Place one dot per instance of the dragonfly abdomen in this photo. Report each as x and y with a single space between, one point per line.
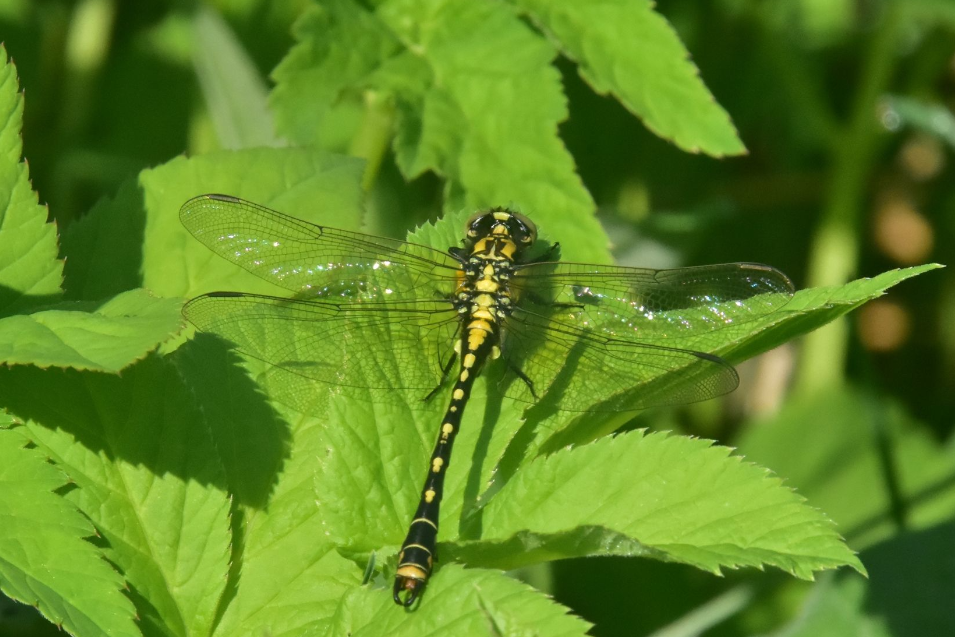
417 555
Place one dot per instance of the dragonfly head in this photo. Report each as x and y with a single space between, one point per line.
499 225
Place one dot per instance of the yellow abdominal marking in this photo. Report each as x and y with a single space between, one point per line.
464 375
479 325
453 408
426 521
458 394
447 429
436 465
429 495
412 571
469 361
478 330
418 546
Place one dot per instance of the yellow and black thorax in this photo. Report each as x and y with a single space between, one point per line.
494 244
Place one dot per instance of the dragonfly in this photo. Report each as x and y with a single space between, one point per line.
371 312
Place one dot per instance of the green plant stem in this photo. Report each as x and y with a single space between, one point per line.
835 251
372 139
87 46
707 615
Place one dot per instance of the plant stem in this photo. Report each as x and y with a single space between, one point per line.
834 254
87 46
707 615
371 141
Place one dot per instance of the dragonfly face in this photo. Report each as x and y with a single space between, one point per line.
499 233
375 313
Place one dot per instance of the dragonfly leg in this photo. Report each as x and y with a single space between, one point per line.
551 254
524 377
445 372
533 297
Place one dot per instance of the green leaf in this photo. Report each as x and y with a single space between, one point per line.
477 97
304 183
28 263
106 339
104 247
459 602
235 94
674 498
809 310
287 573
148 478
44 559
339 45
479 103
830 447
625 48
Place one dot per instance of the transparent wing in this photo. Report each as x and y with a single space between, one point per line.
685 307
628 338
316 261
581 370
395 345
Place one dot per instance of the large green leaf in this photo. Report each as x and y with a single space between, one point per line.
106 339
28 263
148 477
44 559
477 97
105 247
480 103
286 575
674 498
339 45
625 48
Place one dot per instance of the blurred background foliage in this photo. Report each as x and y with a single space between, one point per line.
846 108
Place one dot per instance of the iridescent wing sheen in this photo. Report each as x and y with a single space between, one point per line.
317 261
377 345
612 338
367 311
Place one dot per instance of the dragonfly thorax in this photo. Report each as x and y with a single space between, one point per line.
483 293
